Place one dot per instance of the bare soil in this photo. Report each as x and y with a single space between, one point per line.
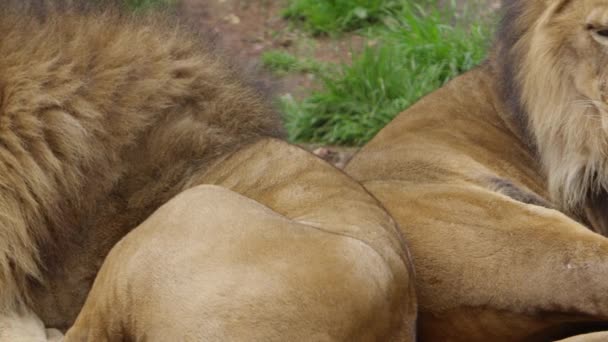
247 28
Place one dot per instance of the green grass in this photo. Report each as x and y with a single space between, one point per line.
147 4
282 62
417 53
333 16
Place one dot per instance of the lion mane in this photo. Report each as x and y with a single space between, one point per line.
103 117
556 94
498 180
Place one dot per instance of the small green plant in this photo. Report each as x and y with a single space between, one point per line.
418 51
281 62
333 16
146 4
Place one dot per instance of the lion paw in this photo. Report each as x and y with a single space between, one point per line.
54 335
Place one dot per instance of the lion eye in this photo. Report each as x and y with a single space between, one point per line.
600 34
597 31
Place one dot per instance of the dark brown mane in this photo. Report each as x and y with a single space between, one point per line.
506 57
99 102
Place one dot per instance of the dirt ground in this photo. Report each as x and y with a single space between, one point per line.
247 28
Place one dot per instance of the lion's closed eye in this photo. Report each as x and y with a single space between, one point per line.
600 35
597 24
602 32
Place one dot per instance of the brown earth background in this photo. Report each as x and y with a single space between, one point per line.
244 29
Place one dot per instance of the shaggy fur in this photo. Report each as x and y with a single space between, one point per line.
558 91
473 171
103 117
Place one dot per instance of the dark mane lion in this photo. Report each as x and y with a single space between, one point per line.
499 181
103 117
126 132
548 65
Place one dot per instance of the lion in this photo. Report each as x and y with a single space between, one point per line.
130 133
499 182
593 337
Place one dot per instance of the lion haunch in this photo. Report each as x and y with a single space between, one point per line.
498 181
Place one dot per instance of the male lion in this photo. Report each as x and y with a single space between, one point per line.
104 118
499 181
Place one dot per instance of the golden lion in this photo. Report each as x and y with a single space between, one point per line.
499 181
593 337
107 117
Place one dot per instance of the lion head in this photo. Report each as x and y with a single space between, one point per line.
559 91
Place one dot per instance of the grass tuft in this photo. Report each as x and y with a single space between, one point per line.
281 62
417 53
333 16
147 4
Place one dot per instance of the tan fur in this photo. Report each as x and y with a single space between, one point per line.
563 90
595 337
295 251
473 171
93 107
104 117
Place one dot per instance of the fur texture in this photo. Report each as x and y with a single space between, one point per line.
103 117
473 174
282 247
558 91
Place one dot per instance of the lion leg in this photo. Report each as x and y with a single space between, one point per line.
303 188
54 335
213 265
489 268
594 337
